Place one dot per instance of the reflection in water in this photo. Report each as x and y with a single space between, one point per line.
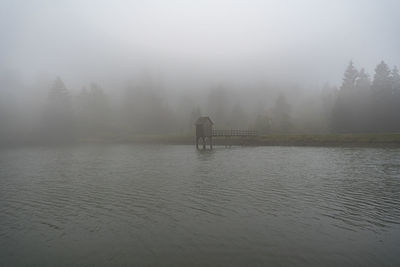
205 154
173 205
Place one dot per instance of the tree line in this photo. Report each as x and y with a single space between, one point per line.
363 105
360 105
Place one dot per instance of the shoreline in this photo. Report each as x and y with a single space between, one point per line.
316 140
386 140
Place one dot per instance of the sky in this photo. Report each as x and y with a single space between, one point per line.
242 41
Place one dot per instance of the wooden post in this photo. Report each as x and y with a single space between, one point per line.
210 142
204 143
197 142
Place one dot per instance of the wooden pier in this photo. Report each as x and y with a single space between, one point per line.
205 131
232 133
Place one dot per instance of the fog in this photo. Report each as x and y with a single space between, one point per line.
107 70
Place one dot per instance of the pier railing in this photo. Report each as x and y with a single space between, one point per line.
229 133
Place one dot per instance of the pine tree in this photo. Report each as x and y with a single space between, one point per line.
383 100
363 82
349 79
395 78
360 103
382 84
343 110
58 95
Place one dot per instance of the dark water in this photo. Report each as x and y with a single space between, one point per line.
104 205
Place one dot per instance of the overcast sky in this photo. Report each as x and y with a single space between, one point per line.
306 40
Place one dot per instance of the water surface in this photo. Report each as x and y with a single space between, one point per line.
102 205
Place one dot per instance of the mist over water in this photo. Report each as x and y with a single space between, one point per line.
98 70
82 83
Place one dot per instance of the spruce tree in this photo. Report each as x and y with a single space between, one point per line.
343 112
383 102
395 79
363 82
350 76
382 84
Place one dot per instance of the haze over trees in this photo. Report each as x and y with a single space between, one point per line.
365 106
362 104
129 68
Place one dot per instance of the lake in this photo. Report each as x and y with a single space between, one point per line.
161 205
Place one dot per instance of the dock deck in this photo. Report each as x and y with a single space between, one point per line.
232 133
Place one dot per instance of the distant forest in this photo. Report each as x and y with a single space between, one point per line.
362 104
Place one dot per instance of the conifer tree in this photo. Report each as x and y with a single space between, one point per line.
363 82
382 84
383 100
395 79
350 76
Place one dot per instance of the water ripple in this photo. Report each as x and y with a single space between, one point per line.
148 205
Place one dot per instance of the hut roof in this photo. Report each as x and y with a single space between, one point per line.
202 120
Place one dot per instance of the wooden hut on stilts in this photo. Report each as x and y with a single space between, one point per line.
204 131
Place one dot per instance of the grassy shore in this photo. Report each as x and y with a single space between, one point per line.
322 140
330 140
377 140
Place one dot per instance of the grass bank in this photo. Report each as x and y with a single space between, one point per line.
378 140
392 139
322 140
